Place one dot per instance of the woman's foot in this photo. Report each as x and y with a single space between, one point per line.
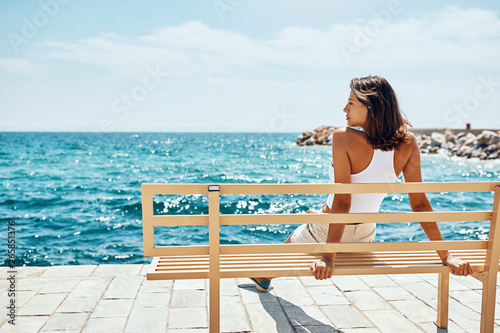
262 284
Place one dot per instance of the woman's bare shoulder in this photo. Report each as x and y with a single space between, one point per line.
411 143
344 136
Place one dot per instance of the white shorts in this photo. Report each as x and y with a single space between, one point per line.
317 233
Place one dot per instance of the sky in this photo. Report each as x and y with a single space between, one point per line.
241 65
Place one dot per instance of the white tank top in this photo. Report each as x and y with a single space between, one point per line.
380 170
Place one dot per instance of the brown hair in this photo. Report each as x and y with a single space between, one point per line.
386 125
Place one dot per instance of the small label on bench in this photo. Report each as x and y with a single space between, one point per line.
213 188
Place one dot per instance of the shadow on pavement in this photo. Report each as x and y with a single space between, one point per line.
297 318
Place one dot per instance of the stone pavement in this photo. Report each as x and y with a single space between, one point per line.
118 298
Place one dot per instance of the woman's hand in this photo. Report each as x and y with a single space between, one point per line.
458 266
323 269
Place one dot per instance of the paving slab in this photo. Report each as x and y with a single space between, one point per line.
31 283
415 310
151 300
66 322
108 325
151 320
30 271
327 295
464 317
405 278
346 317
367 300
394 293
229 287
391 321
195 317
156 286
472 283
60 285
69 271
25 325
23 297
309 281
310 315
78 304
112 308
422 290
266 317
472 296
198 284
124 287
349 283
378 281
188 298
249 294
42 305
89 287
116 270
292 291
233 317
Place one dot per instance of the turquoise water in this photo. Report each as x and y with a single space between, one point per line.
75 197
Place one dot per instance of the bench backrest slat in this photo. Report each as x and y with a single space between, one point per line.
232 219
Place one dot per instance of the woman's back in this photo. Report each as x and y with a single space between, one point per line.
361 152
369 165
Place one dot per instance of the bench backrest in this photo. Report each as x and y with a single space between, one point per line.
214 219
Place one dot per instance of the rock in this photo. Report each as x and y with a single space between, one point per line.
483 156
486 137
464 151
491 149
450 135
424 143
470 140
309 141
437 139
493 156
307 134
434 150
448 145
475 154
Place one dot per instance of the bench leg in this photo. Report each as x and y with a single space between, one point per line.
214 309
443 298
488 303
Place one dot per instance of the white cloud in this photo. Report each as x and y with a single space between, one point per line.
454 36
18 66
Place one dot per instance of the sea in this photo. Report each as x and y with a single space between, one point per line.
75 198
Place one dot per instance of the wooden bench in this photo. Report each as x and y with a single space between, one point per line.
215 261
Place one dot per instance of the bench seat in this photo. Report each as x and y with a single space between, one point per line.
297 264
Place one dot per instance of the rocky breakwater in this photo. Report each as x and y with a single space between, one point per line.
485 146
320 136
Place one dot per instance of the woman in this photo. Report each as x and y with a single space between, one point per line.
377 153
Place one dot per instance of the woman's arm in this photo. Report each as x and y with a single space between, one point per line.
419 203
323 269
